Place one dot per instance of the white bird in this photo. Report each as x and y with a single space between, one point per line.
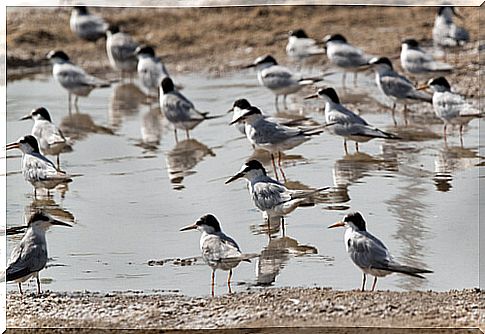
178 110
120 48
279 79
445 32
219 251
36 168
343 122
369 253
271 136
50 138
417 61
87 26
72 77
150 68
301 46
30 255
395 86
270 196
345 56
451 108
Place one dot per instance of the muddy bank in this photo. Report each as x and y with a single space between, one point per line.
216 40
289 307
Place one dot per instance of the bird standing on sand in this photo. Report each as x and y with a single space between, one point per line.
72 77
445 32
417 61
30 255
343 122
369 253
87 26
219 251
36 168
49 137
270 196
301 46
120 48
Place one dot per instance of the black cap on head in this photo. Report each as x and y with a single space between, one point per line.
252 110
254 164
81 10
31 141
145 50
37 216
209 220
381 60
330 92
57 54
242 104
411 42
299 33
113 29
266 59
356 219
43 113
440 81
167 85
335 38
442 8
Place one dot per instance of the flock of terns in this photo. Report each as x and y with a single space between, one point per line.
270 134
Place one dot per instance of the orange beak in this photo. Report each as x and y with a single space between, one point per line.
11 146
337 224
423 87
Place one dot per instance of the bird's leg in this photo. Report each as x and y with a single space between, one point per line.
212 282
284 102
444 132
229 281
274 167
58 163
374 283
276 103
20 288
69 102
187 134
405 115
175 134
343 79
393 113
461 135
35 192
363 282
355 79
345 147
283 226
76 98
357 146
38 284
281 168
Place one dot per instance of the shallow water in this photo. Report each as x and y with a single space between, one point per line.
135 187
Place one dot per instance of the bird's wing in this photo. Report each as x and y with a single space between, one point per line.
451 104
178 107
217 248
399 86
52 134
38 167
267 195
340 114
26 258
277 76
367 251
123 47
91 24
70 75
272 132
349 54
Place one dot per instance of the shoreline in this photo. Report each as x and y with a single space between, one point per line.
273 307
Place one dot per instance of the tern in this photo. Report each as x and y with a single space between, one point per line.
87 26
30 255
178 110
279 79
120 48
450 107
301 46
369 253
445 32
344 122
345 56
417 61
269 195
150 68
49 137
72 77
36 168
219 250
395 86
271 136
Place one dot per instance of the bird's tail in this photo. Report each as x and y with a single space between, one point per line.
421 96
407 270
439 66
311 80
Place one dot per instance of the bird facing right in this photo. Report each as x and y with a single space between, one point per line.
369 253
219 251
30 255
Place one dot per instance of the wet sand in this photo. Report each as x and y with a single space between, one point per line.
282 307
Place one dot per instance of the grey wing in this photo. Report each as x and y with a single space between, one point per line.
340 114
123 47
178 109
215 249
91 24
398 86
460 34
349 56
70 75
25 259
38 167
366 251
267 195
52 134
276 77
272 132
452 105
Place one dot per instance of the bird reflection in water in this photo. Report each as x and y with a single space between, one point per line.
448 161
182 158
151 128
125 100
77 126
274 257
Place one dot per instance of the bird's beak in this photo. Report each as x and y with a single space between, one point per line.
423 87
190 227
230 110
59 223
236 120
249 66
234 178
12 146
337 224
313 96
281 37
25 117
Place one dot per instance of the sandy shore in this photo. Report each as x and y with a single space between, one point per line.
276 307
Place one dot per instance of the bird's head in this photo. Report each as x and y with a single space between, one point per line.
249 170
338 38
207 223
145 50
409 43
248 112
439 84
353 220
38 114
240 104
57 56
298 33
27 144
80 10
381 63
167 85
263 61
41 220
327 94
